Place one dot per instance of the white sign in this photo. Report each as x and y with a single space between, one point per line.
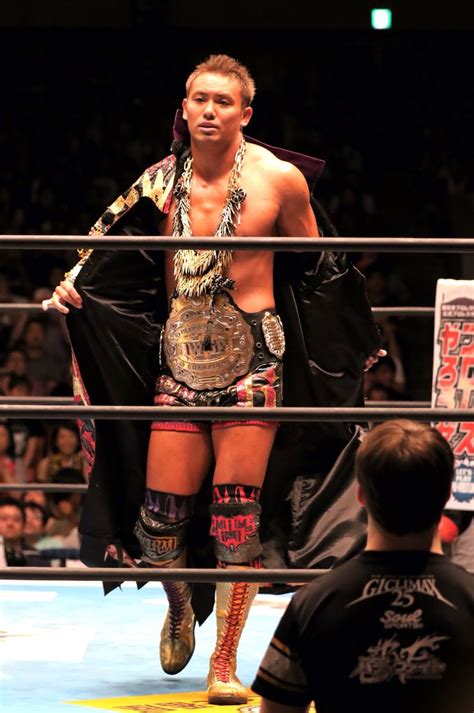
453 380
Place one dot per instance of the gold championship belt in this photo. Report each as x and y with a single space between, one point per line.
194 322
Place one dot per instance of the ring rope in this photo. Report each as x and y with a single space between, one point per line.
157 574
395 311
420 245
304 244
69 400
45 487
226 413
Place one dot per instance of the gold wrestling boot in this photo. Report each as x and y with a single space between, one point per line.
233 602
177 635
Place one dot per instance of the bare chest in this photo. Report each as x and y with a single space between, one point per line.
258 215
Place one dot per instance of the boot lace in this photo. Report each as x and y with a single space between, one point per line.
177 604
238 598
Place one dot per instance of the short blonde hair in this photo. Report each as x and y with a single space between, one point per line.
229 67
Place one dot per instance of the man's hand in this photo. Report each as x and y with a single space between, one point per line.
64 293
371 360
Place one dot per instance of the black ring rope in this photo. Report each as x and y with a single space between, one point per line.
207 413
304 244
156 574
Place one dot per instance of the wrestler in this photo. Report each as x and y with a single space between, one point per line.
222 344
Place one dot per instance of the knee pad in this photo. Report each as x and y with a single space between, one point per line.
235 522
162 542
161 526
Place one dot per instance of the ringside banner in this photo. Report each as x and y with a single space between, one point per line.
453 380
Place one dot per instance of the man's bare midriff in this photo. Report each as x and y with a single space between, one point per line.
251 271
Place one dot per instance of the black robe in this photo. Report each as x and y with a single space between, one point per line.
310 516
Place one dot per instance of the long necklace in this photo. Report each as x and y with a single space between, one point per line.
199 272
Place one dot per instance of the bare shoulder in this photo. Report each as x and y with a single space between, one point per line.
285 177
288 189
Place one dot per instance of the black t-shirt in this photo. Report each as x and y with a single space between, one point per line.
387 631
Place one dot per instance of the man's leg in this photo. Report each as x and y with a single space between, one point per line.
241 454
178 462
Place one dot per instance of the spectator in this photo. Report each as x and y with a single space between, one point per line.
66 453
14 364
380 392
66 510
385 370
35 523
455 527
8 320
387 374
44 369
462 550
391 630
36 496
7 464
12 524
390 372
56 341
28 436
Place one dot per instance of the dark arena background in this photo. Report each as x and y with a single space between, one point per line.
90 90
88 97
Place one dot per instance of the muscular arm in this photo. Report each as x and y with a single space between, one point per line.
296 217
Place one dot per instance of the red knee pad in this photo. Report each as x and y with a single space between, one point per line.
235 522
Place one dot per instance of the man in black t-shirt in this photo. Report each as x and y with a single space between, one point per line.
393 629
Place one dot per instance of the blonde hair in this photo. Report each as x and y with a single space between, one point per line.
229 67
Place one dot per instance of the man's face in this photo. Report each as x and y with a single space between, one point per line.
34 335
11 522
34 525
16 362
36 496
66 441
385 375
19 390
213 109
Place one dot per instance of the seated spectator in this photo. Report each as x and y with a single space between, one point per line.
455 524
388 328
393 372
385 288
45 370
12 524
35 523
14 364
28 436
7 463
66 453
66 510
18 386
386 374
56 340
35 496
8 320
379 392
392 629
377 290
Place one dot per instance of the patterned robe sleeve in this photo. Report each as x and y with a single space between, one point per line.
156 183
